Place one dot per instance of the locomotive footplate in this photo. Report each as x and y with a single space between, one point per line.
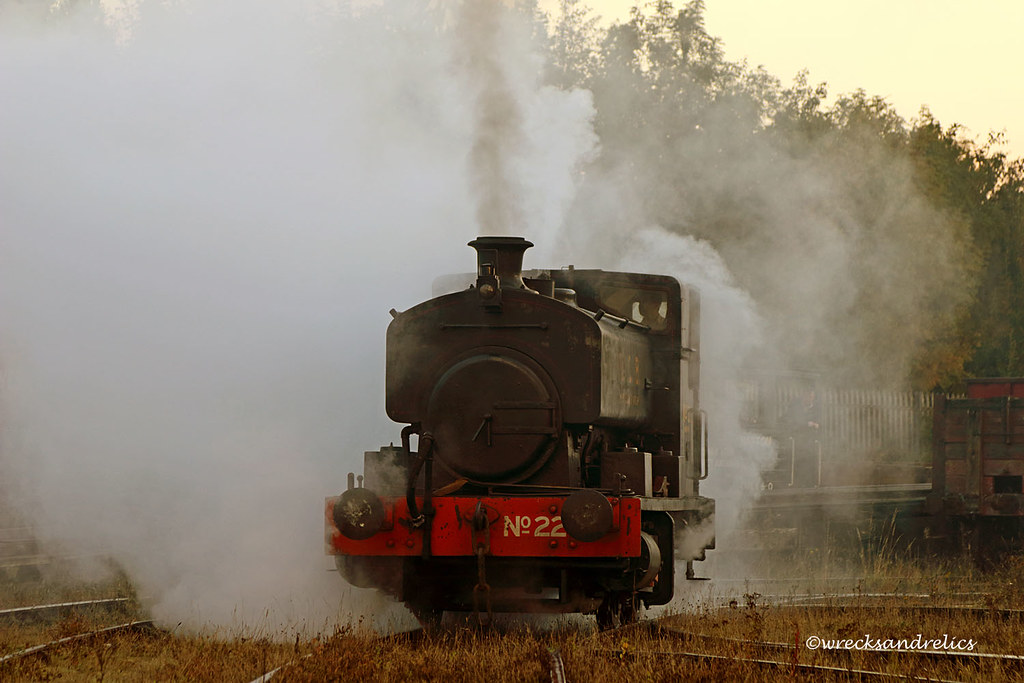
517 527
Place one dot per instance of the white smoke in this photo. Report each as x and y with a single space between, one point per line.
732 336
731 333
207 210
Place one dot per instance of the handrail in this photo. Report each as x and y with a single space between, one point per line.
819 462
792 461
704 443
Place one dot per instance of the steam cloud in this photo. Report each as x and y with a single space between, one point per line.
207 214
207 210
499 121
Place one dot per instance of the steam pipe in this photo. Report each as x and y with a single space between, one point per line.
427 454
420 518
414 472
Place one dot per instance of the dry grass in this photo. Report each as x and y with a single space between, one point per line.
151 656
641 655
63 583
459 652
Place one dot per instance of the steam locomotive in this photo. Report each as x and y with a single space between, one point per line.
553 449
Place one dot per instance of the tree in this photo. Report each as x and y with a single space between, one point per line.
575 41
879 249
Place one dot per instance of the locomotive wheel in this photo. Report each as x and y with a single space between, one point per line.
619 608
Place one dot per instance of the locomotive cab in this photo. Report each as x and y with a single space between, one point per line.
559 446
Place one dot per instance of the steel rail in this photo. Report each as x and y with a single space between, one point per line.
58 609
273 672
795 579
949 610
810 668
411 636
845 597
855 582
36 649
20 547
780 599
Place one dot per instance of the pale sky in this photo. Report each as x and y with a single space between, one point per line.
963 60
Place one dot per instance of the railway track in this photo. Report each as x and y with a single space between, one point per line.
269 675
1008 660
408 636
20 557
61 609
816 669
715 649
44 647
712 650
654 638
832 598
951 611
873 602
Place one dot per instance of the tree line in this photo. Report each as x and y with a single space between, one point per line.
861 233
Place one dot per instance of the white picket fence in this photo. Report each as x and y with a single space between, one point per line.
895 422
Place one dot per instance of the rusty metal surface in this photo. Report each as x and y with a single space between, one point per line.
979 451
615 359
494 416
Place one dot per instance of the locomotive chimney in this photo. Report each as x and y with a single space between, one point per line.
501 258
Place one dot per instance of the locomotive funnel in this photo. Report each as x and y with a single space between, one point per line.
501 257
